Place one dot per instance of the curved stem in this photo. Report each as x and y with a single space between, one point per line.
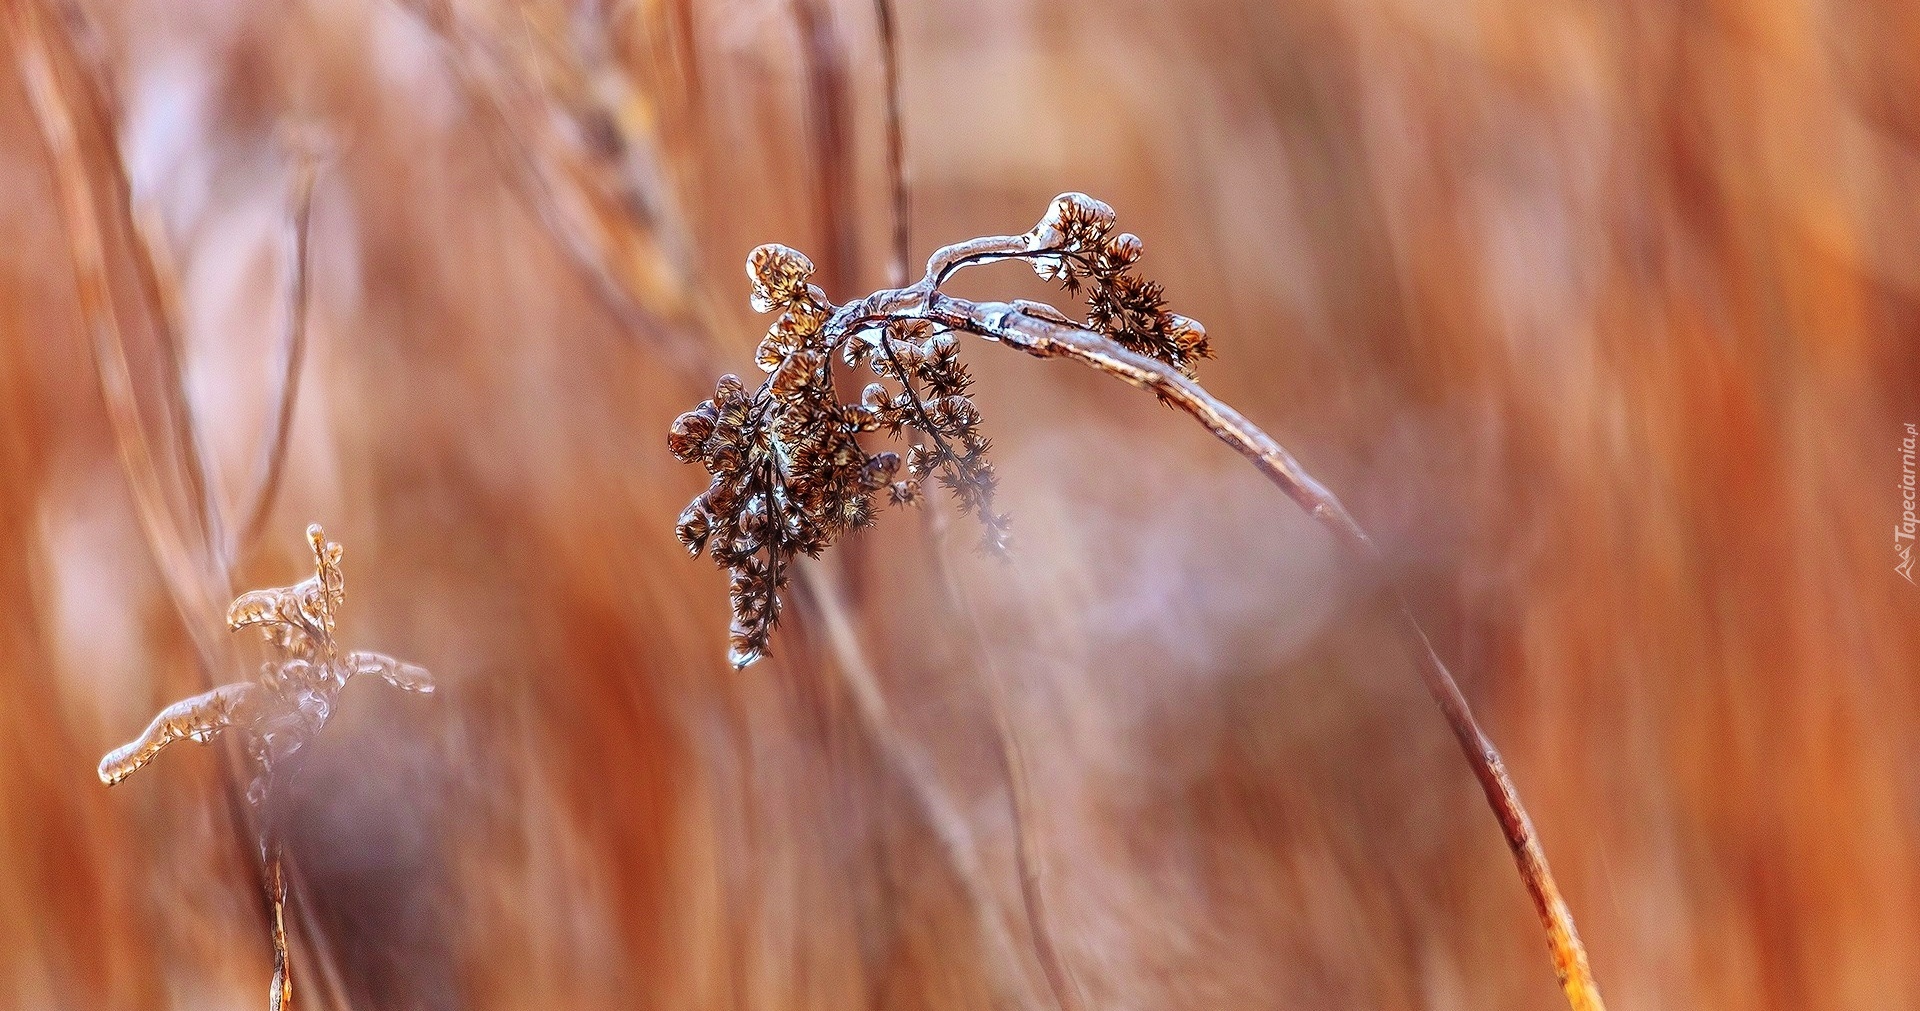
147 248
293 347
1014 325
186 579
1043 332
896 143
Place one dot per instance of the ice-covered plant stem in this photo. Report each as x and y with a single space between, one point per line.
278 714
790 474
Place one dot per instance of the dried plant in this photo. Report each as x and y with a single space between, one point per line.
292 699
279 713
790 474
76 125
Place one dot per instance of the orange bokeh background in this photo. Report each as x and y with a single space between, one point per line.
1602 318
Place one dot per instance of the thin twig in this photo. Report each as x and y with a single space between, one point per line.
827 129
897 183
280 998
1060 981
915 768
826 93
159 280
1028 859
293 347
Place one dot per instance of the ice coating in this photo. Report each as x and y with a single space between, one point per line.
293 695
779 275
402 675
196 719
299 618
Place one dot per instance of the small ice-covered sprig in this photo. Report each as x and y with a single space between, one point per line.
280 711
1084 252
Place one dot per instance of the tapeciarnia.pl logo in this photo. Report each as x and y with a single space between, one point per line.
1903 531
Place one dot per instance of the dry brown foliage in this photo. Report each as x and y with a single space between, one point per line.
1600 320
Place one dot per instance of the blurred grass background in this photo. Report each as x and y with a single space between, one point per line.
1605 318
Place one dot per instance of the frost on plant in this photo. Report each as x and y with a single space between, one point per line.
293 696
1083 252
790 473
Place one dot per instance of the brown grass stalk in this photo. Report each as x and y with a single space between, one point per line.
828 123
1027 857
194 581
915 768
159 280
899 187
1043 332
280 997
292 353
184 576
1029 861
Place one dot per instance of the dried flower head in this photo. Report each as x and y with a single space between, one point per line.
1126 308
789 471
779 276
293 696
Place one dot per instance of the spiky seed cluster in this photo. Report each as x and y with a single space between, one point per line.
1086 253
789 474
293 696
933 399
